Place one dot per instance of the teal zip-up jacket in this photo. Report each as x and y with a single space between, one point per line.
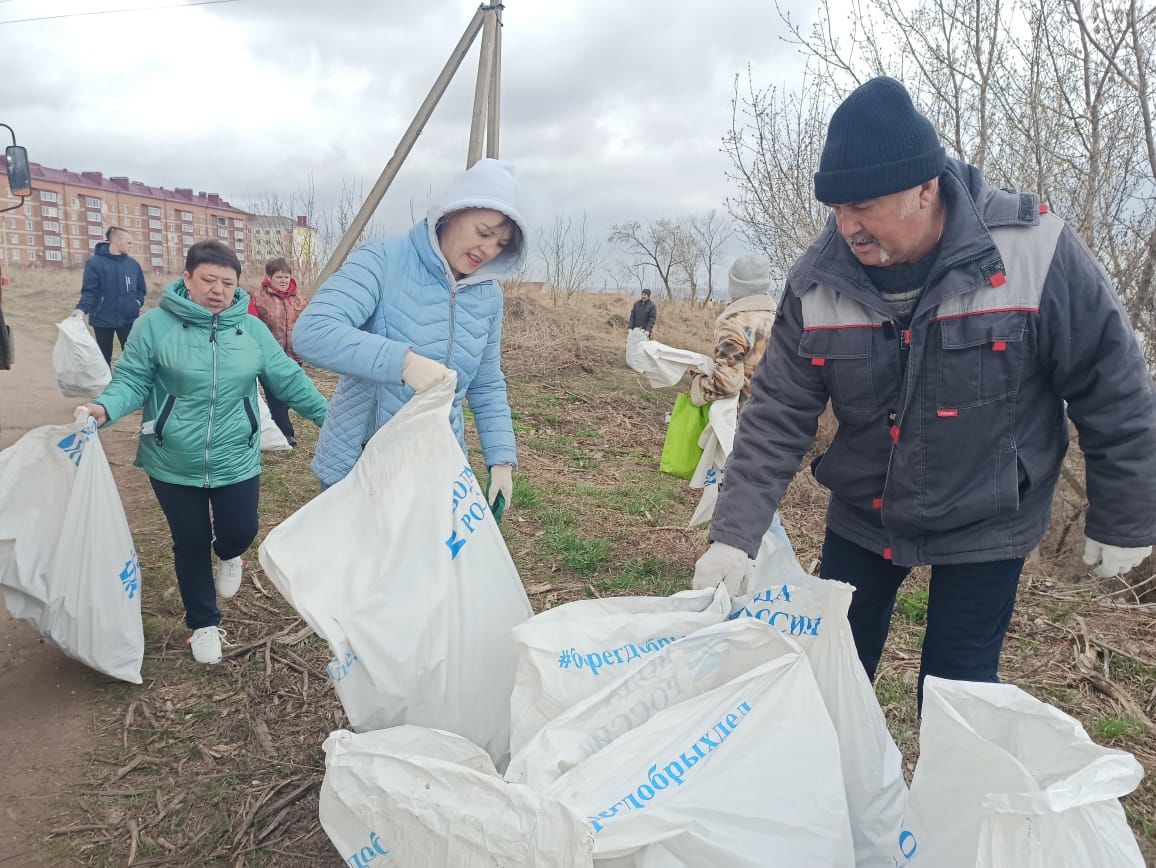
196 375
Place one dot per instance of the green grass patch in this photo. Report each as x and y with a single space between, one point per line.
645 576
1117 728
525 495
577 553
893 689
913 606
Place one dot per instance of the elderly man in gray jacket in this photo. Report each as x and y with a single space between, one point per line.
955 328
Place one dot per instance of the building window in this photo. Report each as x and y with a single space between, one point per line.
51 227
31 239
93 216
154 211
11 222
187 239
48 196
50 212
136 223
238 223
51 241
75 229
78 244
158 262
221 233
53 256
15 255
187 228
14 239
91 202
124 209
239 235
156 248
28 225
94 232
156 236
187 216
221 221
155 224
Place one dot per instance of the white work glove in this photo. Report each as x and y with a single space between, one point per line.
422 374
721 563
501 489
78 312
1111 561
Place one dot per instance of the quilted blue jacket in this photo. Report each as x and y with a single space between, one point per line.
399 294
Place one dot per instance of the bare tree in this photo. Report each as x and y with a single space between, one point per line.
571 256
654 246
712 233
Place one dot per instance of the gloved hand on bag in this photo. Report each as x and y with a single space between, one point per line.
422 374
78 312
1110 561
500 489
721 563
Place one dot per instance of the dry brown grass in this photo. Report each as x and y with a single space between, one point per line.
591 516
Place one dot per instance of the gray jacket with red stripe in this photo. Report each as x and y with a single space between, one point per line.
954 457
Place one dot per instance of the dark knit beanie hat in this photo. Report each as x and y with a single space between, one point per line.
877 144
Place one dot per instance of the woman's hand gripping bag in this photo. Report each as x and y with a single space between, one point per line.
401 568
1007 781
423 798
571 652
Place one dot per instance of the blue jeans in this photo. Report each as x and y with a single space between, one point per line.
968 610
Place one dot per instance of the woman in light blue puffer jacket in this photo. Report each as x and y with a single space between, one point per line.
399 310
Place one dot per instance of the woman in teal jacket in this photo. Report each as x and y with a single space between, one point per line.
193 364
401 311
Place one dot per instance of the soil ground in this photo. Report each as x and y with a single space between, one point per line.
221 765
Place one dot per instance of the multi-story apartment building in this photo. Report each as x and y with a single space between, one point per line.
295 240
69 212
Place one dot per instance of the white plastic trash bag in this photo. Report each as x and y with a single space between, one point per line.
272 440
1007 781
423 798
634 341
81 371
402 570
741 773
571 652
814 613
67 560
664 366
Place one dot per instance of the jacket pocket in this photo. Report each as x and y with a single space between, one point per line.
254 421
163 418
981 359
845 356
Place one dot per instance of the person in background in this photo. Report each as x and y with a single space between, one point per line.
741 333
113 291
278 304
400 312
955 328
193 364
644 314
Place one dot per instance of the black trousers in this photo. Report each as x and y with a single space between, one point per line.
968 611
204 520
104 339
279 410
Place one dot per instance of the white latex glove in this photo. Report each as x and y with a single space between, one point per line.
721 563
1110 561
422 374
78 312
501 485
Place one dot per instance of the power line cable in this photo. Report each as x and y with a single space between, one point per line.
115 11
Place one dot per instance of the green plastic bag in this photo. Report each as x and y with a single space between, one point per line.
681 452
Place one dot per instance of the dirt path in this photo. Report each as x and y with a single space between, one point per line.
46 699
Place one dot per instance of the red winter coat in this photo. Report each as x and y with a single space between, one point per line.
279 311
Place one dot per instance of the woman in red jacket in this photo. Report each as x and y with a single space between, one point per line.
278 304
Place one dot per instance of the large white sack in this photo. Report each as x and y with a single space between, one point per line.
744 774
716 441
1007 781
814 612
272 440
81 371
664 366
402 570
67 560
634 341
570 652
423 798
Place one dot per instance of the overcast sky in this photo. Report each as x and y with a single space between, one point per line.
612 107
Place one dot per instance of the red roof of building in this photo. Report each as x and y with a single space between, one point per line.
97 181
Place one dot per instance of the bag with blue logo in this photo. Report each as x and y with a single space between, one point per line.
67 561
402 569
424 798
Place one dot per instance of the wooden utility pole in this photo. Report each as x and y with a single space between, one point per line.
494 109
486 20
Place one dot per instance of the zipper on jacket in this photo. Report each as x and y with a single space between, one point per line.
453 316
212 398
162 419
254 425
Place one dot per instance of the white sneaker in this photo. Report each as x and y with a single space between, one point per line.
228 577
206 644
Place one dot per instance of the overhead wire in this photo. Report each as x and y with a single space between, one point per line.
115 11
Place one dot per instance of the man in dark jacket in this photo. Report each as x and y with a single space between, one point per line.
644 314
113 290
955 329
